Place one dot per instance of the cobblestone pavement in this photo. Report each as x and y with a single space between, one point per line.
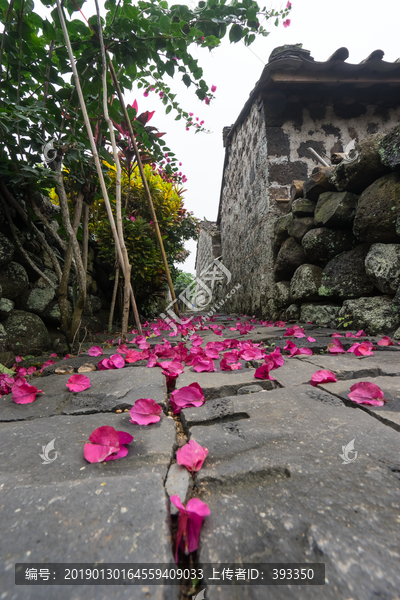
277 489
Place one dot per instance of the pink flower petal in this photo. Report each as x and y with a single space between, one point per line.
322 376
336 347
366 392
145 411
310 339
385 341
192 456
23 393
106 444
190 395
189 524
117 360
78 383
95 351
225 366
263 371
122 349
46 364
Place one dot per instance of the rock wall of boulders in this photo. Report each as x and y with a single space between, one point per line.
337 250
29 310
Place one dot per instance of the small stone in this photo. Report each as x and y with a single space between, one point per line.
335 209
119 410
382 265
6 308
293 313
302 207
86 368
65 369
179 481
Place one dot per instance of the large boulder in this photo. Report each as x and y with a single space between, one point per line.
6 308
26 333
293 313
52 314
335 209
364 169
389 149
323 315
305 283
377 211
42 283
382 266
92 306
280 234
318 183
375 315
13 280
344 276
6 250
36 300
282 294
302 207
290 257
322 244
299 227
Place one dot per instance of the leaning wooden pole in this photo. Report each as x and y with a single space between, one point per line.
145 185
96 157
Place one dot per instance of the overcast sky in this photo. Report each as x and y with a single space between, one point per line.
321 26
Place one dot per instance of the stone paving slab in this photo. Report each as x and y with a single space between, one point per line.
221 384
109 391
389 412
347 364
22 443
279 492
86 521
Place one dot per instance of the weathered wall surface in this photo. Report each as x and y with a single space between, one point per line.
247 214
208 247
264 155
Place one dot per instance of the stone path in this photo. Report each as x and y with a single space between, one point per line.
275 484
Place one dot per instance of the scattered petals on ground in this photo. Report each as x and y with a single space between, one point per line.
366 392
322 376
191 456
106 444
385 341
190 520
336 347
78 383
145 411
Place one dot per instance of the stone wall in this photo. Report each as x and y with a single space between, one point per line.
264 154
29 310
338 246
208 247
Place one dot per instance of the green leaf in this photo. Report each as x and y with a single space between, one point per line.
235 34
186 80
168 109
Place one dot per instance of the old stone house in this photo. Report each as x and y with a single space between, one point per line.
297 104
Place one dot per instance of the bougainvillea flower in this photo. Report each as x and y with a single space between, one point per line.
336 347
252 354
153 361
367 393
19 359
196 340
360 333
46 364
172 368
310 339
106 444
191 456
224 365
145 411
276 357
211 353
133 356
385 341
280 324
78 383
322 376
54 355
307 351
295 331
193 354
291 347
263 371
23 393
231 356
189 524
364 349
340 335
190 395
95 351
203 364
117 360
122 349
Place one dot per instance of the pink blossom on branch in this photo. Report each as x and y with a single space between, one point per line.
286 23
213 88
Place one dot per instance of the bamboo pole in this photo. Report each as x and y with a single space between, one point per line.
95 156
145 185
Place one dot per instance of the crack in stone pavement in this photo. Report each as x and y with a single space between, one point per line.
276 485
